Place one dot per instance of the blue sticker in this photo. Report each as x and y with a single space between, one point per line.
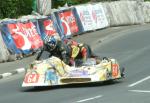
51 75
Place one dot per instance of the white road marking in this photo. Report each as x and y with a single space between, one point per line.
20 70
6 74
140 91
138 82
83 100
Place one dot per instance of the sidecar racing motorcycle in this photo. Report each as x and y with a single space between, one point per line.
53 71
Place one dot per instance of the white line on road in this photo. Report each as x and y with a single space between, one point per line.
6 74
140 91
20 70
83 100
138 82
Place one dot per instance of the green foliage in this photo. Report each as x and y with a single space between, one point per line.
15 8
57 3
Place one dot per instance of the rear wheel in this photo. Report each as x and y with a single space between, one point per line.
122 70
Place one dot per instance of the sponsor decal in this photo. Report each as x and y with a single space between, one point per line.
51 76
76 73
115 70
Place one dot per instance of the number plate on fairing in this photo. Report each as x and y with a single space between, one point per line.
31 77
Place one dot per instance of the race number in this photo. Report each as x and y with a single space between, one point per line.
115 70
32 78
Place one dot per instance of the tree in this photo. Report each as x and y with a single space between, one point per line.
15 8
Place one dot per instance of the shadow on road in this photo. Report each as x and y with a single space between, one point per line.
79 85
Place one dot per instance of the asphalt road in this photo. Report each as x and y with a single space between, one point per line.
129 45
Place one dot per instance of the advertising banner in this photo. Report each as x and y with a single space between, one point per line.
85 17
57 25
98 16
25 36
48 28
67 22
8 40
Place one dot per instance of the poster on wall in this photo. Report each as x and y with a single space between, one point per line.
98 16
85 17
49 29
68 22
25 36
8 40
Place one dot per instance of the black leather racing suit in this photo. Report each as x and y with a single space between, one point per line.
61 51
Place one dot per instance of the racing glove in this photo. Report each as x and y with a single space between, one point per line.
71 62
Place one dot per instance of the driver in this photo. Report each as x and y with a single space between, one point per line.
79 52
56 48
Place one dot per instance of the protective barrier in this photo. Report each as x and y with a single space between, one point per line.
122 13
4 54
145 7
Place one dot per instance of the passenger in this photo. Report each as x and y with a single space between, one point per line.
79 52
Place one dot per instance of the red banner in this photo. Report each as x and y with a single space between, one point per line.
25 36
68 22
49 28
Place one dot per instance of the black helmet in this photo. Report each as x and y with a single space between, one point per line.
51 42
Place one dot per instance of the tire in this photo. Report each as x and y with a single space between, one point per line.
122 71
